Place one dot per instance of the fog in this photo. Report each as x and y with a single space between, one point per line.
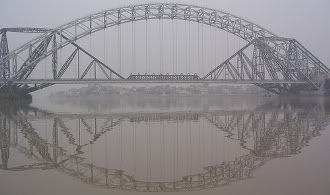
212 138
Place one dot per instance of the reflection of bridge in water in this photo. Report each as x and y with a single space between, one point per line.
273 133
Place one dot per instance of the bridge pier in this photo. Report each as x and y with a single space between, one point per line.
324 90
326 85
10 96
302 90
9 93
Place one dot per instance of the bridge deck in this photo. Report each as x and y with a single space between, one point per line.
122 81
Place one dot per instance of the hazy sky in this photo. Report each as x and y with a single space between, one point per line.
307 21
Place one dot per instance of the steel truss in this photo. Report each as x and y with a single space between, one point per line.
264 64
273 57
5 70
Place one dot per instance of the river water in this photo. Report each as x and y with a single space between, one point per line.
165 144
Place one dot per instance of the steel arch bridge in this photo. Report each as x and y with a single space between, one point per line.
276 64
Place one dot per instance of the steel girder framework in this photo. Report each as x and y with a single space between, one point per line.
280 56
276 134
265 64
5 70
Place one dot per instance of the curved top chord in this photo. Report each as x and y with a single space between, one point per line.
104 19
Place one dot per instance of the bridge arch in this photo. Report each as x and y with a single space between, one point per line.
112 17
79 28
84 26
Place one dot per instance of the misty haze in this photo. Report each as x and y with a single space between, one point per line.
187 97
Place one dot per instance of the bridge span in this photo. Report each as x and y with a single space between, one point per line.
127 81
255 55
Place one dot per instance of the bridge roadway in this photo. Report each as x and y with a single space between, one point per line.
127 81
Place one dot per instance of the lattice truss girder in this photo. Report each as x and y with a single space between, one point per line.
274 55
36 55
5 69
258 61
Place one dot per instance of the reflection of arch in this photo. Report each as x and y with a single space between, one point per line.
274 47
213 176
278 138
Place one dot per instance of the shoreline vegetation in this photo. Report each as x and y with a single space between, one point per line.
106 90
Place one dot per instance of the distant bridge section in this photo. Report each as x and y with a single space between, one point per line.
167 77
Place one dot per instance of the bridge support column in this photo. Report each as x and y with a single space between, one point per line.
10 93
306 90
326 85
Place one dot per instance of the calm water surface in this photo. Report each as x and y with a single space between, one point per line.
181 145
